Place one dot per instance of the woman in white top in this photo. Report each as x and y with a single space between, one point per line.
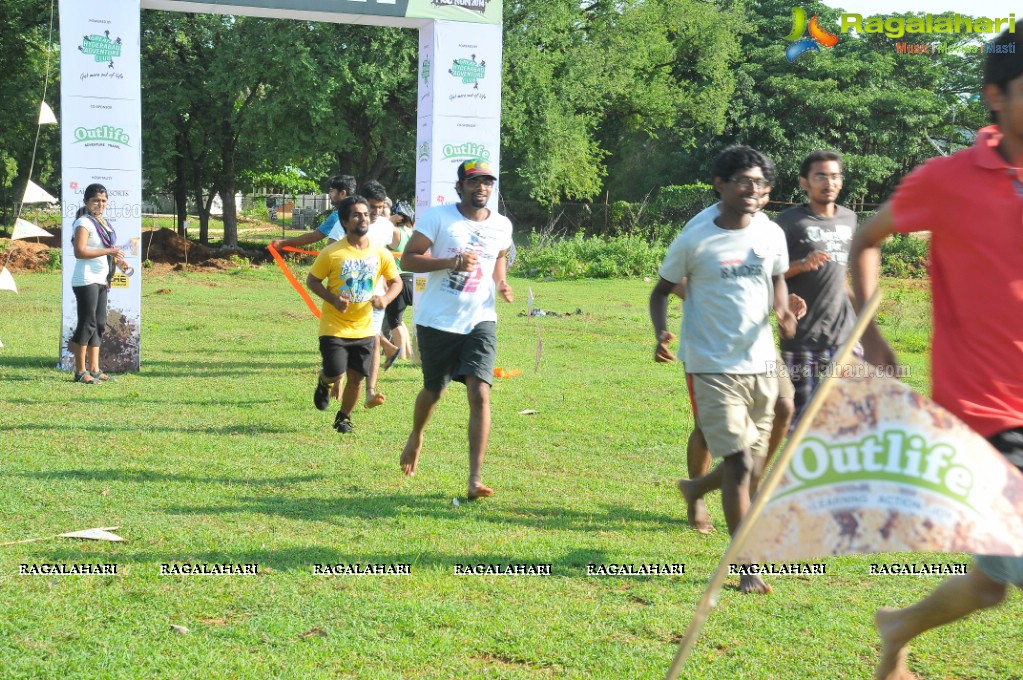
95 255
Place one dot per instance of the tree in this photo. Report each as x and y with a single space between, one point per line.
583 81
878 107
231 94
25 27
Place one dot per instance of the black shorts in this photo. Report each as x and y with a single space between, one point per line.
395 310
453 356
341 355
1010 444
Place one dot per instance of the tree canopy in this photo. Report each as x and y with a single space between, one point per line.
600 98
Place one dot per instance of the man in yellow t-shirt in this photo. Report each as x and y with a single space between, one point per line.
350 267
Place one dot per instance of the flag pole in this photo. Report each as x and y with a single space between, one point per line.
709 598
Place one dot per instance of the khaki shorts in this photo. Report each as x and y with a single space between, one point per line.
786 390
735 412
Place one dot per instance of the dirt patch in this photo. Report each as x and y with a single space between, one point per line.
163 248
25 256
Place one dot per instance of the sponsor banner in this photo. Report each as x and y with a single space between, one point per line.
883 469
426 69
101 143
467 70
456 141
346 11
99 55
103 133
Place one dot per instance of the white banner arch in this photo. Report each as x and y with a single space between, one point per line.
459 117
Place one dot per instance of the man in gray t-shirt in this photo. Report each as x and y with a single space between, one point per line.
818 236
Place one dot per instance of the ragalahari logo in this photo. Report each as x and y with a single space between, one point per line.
818 36
469 70
101 47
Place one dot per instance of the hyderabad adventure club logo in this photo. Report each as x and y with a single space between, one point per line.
424 151
818 36
101 47
469 71
426 72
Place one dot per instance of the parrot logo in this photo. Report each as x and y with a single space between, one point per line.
818 36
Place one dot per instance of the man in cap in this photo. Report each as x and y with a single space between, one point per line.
456 320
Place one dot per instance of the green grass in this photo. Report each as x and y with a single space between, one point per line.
214 453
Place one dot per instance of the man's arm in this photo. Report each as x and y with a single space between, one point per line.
416 261
865 264
317 287
786 318
305 239
659 318
393 290
501 275
811 263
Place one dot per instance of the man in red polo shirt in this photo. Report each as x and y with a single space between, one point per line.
972 203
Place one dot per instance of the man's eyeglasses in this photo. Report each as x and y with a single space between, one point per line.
479 181
757 183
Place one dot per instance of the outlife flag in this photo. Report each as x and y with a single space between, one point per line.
883 469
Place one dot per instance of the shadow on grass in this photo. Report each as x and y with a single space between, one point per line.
391 507
247 429
153 476
15 361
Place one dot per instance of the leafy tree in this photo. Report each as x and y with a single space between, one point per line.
24 25
879 108
232 93
585 81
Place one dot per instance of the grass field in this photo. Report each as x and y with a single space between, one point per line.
214 453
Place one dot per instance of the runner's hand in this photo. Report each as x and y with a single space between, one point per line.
662 354
815 260
340 303
797 305
506 292
378 302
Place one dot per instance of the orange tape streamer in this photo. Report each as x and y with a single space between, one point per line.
291 278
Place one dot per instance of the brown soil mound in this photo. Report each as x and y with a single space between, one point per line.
161 247
166 246
25 256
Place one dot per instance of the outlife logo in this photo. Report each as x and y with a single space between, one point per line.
818 36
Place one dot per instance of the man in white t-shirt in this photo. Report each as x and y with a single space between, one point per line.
734 267
381 233
456 320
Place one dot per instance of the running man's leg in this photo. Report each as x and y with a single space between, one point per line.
478 392
426 403
951 601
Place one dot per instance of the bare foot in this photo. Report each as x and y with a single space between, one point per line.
410 454
752 583
892 665
373 400
479 491
696 508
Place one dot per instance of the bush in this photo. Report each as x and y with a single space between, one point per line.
904 256
594 257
